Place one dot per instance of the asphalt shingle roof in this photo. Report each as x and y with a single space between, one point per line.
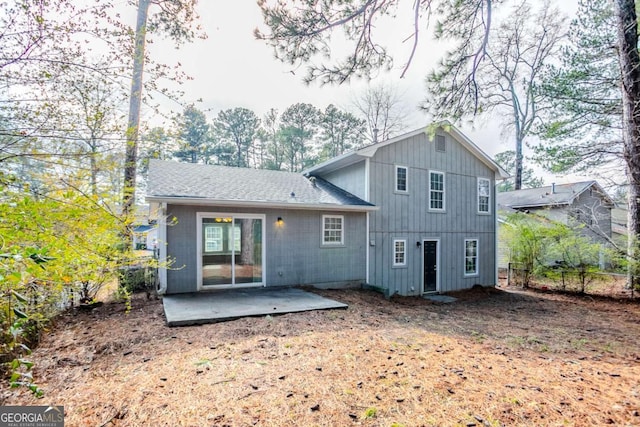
563 194
169 179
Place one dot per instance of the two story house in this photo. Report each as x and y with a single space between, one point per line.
411 215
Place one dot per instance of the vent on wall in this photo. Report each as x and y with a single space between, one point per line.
441 143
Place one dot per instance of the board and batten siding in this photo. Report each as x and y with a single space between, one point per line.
350 178
407 216
294 254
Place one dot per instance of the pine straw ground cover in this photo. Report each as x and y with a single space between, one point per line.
494 358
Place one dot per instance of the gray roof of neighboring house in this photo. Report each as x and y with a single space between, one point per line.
552 195
190 183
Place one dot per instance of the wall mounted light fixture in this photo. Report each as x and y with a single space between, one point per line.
279 221
418 244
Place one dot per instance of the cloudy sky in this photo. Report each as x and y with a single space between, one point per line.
233 69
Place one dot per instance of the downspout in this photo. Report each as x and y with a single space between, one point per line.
368 251
366 198
162 242
496 252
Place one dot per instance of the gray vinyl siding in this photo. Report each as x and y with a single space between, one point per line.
407 216
591 204
351 179
294 254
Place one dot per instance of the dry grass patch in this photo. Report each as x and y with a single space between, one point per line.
492 358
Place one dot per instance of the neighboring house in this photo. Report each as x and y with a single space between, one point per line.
145 237
582 204
144 229
411 215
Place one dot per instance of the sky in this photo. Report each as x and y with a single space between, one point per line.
232 69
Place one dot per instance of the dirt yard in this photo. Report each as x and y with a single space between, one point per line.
492 358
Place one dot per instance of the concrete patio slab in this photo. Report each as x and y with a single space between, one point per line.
218 306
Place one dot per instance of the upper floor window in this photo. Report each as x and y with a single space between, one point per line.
470 257
399 253
402 176
484 195
436 190
332 229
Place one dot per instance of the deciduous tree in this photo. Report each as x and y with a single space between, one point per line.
510 73
383 109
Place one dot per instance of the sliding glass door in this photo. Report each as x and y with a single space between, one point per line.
230 249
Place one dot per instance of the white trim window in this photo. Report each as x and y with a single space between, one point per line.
484 195
470 257
332 229
436 190
212 238
402 179
399 252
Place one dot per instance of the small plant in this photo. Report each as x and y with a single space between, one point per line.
478 337
14 345
579 343
122 294
370 413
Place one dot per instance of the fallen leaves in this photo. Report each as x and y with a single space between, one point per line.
405 362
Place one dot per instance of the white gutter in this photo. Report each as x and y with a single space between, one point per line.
162 242
259 205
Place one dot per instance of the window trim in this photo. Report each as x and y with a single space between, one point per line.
444 191
406 179
404 253
324 229
488 211
477 258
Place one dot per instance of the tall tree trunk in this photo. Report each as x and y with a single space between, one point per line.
247 255
630 78
519 159
135 100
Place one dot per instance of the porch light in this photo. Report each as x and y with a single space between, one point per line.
418 244
279 221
